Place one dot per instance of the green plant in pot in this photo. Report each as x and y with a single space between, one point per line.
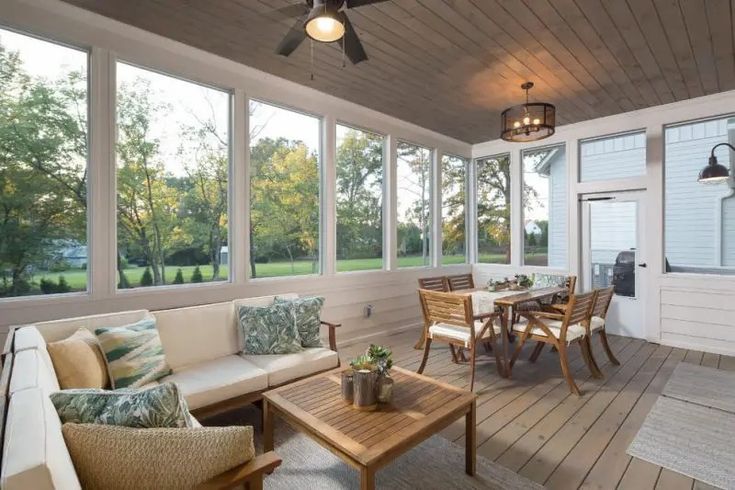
383 359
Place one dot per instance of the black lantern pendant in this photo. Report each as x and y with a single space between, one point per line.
531 121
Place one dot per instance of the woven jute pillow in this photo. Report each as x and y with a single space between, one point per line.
120 458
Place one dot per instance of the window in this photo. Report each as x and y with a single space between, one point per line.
284 192
545 207
454 195
699 218
43 167
172 180
612 157
359 199
493 209
414 205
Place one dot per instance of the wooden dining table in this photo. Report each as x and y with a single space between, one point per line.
505 302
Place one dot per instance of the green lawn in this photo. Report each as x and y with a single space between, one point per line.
77 278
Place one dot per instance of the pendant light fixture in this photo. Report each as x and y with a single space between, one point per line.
531 121
714 173
324 23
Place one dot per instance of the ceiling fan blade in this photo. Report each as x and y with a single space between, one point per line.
293 39
359 3
353 47
291 11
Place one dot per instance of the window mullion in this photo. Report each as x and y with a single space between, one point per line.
239 201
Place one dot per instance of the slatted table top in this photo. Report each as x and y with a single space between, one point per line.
421 407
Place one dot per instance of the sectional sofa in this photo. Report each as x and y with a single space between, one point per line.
201 345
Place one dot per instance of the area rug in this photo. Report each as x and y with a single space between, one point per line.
435 463
705 386
686 432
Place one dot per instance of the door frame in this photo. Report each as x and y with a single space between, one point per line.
642 277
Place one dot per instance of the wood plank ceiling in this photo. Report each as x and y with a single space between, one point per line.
454 65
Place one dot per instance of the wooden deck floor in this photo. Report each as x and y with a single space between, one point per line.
534 426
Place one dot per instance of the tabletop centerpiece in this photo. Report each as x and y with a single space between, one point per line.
368 380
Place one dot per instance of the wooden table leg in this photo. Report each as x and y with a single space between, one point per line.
367 478
506 341
267 427
470 451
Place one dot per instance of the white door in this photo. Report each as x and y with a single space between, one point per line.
612 234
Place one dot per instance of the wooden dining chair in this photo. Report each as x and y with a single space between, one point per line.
597 319
439 283
461 281
560 331
452 321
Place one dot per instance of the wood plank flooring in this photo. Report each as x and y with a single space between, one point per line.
534 426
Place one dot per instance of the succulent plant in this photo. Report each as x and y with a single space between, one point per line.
382 357
363 363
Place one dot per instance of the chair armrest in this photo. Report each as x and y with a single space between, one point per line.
332 334
546 314
251 472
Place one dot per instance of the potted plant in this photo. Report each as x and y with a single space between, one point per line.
524 281
364 379
383 359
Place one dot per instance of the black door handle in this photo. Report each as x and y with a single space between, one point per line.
644 265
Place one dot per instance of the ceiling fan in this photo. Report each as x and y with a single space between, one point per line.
324 21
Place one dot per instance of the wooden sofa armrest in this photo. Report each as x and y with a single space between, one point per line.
332 334
250 474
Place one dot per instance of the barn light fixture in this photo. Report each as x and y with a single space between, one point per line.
531 121
714 173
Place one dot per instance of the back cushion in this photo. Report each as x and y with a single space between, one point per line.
32 368
197 334
60 329
34 454
28 338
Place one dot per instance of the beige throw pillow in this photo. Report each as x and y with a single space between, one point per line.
78 361
120 458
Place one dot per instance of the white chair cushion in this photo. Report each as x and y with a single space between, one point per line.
214 381
197 334
459 333
283 368
28 338
35 455
573 331
596 323
60 329
32 368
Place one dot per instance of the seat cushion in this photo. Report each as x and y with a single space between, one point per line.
459 333
35 455
155 458
28 338
196 334
32 368
221 379
78 361
134 354
288 367
597 323
60 329
573 331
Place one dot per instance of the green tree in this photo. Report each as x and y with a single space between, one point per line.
418 187
179 279
454 173
196 276
146 279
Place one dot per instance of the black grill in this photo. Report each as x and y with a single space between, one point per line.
624 273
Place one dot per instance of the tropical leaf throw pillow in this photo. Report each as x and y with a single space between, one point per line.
269 329
159 406
307 314
134 353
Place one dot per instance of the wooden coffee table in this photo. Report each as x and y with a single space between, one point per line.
421 407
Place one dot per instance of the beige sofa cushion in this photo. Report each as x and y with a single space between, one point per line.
155 458
35 455
28 338
197 334
32 368
78 361
287 367
217 380
60 329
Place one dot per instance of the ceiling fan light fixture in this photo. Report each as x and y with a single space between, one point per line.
324 24
531 121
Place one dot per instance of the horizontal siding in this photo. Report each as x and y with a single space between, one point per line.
558 230
617 157
698 318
